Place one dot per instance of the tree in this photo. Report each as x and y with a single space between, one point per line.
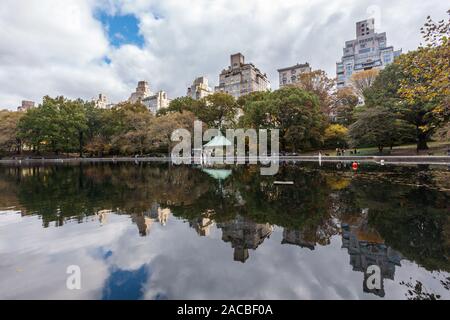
98 135
136 138
74 122
317 82
180 104
417 85
294 111
336 135
9 141
360 81
56 125
217 110
299 118
129 128
161 128
345 102
425 85
257 112
384 90
377 126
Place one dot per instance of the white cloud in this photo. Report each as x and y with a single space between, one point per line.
58 47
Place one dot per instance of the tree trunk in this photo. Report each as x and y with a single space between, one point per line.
380 149
422 138
81 144
422 144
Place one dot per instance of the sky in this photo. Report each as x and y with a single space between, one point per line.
80 48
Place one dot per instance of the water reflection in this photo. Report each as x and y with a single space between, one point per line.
322 232
244 234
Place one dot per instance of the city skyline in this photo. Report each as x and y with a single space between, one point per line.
94 47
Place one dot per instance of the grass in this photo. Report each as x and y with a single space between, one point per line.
437 148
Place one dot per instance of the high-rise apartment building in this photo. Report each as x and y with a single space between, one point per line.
241 78
290 75
199 89
102 102
369 50
156 102
142 92
26 105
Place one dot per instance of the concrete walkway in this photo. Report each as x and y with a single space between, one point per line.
444 160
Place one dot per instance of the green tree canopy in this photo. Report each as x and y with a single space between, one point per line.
56 125
294 111
218 110
377 126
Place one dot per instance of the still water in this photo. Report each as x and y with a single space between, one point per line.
156 231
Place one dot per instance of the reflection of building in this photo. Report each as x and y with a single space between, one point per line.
365 249
243 235
143 223
142 91
369 50
145 220
156 102
199 89
103 215
290 75
202 224
241 78
296 237
26 105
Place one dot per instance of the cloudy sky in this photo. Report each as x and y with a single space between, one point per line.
79 48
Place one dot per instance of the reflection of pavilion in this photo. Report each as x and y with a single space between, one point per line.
145 220
366 248
244 234
296 237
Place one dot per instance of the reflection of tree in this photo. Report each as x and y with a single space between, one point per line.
62 192
417 291
413 220
305 202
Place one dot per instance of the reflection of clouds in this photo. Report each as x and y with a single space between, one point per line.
180 264
35 265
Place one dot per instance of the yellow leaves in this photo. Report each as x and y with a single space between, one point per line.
426 74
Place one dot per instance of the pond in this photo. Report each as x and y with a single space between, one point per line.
158 231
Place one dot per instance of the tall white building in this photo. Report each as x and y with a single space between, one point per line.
142 91
199 89
369 50
156 102
102 102
241 78
290 75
